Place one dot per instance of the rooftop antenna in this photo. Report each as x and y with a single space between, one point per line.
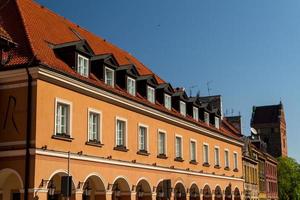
232 111
208 87
190 89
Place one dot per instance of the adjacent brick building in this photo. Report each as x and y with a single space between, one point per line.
269 121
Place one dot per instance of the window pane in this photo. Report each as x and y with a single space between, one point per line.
82 65
217 157
205 153
120 133
178 147
193 151
142 138
94 126
182 108
161 147
151 94
195 113
206 117
226 159
131 86
109 77
168 101
62 118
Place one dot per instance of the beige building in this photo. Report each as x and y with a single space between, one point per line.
73 104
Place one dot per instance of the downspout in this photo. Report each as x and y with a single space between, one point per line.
28 129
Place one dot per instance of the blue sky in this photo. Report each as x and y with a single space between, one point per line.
249 51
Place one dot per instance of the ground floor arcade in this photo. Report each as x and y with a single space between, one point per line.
111 180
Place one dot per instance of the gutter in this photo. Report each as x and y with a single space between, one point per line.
28 130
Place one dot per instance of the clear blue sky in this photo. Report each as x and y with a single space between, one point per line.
249 50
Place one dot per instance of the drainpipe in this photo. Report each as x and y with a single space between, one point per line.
28 129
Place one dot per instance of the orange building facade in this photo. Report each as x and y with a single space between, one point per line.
115 142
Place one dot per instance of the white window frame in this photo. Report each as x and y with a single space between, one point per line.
134 86
169 107
126 131
205 144
227 150
235 165
217 122
195 141
113 76
88 65
158 141
183 112
148 95
195 113
206 117
92 110
147 137
217 155
69 103
181 146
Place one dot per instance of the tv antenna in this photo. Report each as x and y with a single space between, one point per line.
191 89
208 87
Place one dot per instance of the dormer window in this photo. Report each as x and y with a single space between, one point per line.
109 76
182 108
217 122
131 86
206 118
83 66
151 94
168 102
196 113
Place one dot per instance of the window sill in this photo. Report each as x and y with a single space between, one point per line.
62 137
121 148
206 165
94 143
193 162
217 167
178 159
227 168
162 156
143 153
235 170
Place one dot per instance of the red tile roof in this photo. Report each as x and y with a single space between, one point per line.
35 28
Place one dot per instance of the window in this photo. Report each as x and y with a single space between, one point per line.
235 159
83 66
131 86
63 118
121 133
151 94
206 117
178 147
168 102
196 113
109 76
161 143
182 108
217 122
226 158
217 156
205 154
193 151
143 135
94 126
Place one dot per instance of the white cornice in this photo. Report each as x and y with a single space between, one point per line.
123 163
119 100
